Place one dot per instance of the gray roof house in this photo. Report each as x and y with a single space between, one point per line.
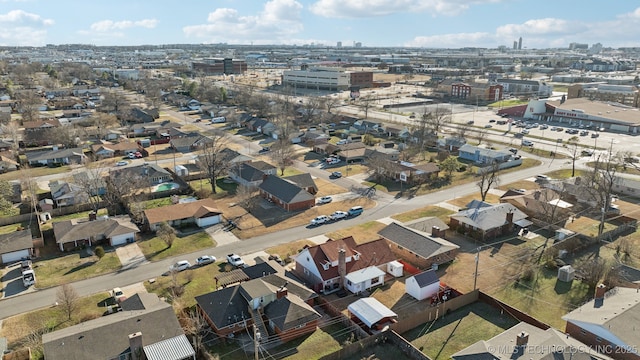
251 173
56 156
286 194
15 246
519 342
487 222
189 143
115 230
154 330
481 155
424 249
67 194
152 172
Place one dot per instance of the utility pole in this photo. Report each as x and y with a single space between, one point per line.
255 342
475 274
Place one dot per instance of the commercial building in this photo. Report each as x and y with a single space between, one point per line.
320 78
225 66
623 94
594 114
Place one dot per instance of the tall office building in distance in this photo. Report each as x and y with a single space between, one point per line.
520 43
339 44
515 45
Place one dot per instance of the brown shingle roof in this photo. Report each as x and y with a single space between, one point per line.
195 209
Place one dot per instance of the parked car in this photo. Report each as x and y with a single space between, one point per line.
527 143
492 120
205 260
319 220
131 155
594 135
325 200
117 294
338 215
470 122
181 265
235 260
336 174
524 131
122 163
542 178
138 155
264 150
356 210
342 142
488 126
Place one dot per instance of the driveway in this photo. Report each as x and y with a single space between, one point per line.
12 282
220 236
130 256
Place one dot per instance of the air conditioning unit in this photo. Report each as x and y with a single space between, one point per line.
566 273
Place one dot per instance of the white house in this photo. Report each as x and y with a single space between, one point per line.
424 285
201 212
15 246
364 279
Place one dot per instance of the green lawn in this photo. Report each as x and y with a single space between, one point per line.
155 249
223 188
156 203
544 298
565 173
430 210
196 282
13 227
73 267
459 329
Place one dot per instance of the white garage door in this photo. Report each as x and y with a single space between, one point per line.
15 256
208 221
121 239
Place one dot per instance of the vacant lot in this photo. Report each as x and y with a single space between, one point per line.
194 282
457 330
74 267
361 233
154 248
428 211
285 251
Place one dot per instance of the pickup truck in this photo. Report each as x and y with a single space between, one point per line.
28 278
235 260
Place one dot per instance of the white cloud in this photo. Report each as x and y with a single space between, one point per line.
110 25
18 27
371 8
479 39
278 21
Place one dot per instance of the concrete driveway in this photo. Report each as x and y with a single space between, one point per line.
12 282
130 256
220 236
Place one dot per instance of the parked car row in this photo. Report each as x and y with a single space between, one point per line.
337 215
183 265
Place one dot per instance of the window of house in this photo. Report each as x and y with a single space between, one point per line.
375 281
306 271
349 282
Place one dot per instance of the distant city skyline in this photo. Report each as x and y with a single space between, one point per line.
382 23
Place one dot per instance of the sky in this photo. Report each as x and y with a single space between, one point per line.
384 23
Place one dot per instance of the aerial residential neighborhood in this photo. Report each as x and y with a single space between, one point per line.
314 201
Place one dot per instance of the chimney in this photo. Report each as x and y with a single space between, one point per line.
435 231
522 339
282 292
536 195
93 216
135 345
510 217
342 265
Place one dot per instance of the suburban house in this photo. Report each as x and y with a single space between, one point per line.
117 230
38 125
382 153
480 155
15 246
288 194
422 249
279 301
626 186
423 285
67 194
152 173
7 164
91 181
139 115
251 173
314 137
415 173
545 204
324 267
525 341
260 125
118 149
371 313
202 213
145 129
56 157
609 322
233 157
189 143
149 331
488 222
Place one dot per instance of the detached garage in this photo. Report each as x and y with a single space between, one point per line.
15 246
424 285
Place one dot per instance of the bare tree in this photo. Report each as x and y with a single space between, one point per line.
481 135
123 188
68 300
28 103
488 178
437 119
103 122
593 271
212 159
115 103
11 130
366 102
310 109
422 131
381 168
573 148
247 197
166 233
92 184
601 181
196 328
330 103
283 154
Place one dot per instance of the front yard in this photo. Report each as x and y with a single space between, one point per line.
74 267
154 248
428 211
361 233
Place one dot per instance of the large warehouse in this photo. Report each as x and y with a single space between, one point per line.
598 114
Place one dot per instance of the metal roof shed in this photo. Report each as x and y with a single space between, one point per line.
370 311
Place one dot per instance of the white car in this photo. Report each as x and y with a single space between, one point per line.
181 265
542 178
319 220
527 143
339 215
235 260
122 163
117 294
325 200
205 260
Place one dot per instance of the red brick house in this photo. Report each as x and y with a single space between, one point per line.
291 193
